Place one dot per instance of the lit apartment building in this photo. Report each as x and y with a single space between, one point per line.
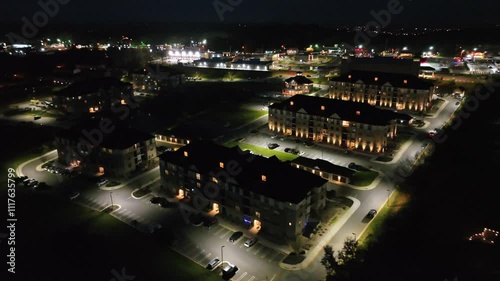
397 91
93 95
345 124
103 147
262 193
297 85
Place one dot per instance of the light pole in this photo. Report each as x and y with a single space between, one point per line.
354 236
111 196
222 255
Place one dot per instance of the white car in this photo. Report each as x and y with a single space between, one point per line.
250 242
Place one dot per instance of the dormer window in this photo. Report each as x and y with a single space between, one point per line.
263 177
185 154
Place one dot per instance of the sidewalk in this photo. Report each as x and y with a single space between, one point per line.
318 248
400 153
122 184
19 168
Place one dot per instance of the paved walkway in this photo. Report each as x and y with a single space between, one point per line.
325 239
19 169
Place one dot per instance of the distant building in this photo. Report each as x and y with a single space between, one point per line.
103 147
263 193
381 64
228 63
155 78
93 95
297 85
397 91
345 124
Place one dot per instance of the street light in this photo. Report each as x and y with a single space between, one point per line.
111 196
354 236
222 255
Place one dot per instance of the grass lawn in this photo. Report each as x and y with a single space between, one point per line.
395 203
87 245
363 178
236 117
283 156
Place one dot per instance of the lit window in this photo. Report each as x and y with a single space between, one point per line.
221 164
322 107
123 102
289 223
166 172
198 185
215 180
263 178
349 76
257 214
291 102
185 153
405 81
376 78
358 112
198 177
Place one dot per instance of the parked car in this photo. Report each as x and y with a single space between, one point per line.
102 181
237 235
273 145
229 270
371 214
214 263
250 242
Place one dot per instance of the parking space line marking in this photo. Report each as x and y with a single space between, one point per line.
275 256
258 250
219 231
241 277
265 253
195 258
206 258
225 233
251 278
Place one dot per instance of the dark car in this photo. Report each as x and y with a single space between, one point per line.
237 235
351 165
273 145
371 214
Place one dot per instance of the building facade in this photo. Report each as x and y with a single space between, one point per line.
297 85
333 173
381 64
117 153
155 78
262 193
395 91
93 95
345 124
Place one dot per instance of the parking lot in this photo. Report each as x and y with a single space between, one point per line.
202 245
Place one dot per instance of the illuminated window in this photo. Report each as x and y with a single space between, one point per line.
358 112
198 177
263 178
322 107
257 214
185 153
376 78
405 81
291 102
221 164
123 102
215 180
289 224
349 76
166 172
198 185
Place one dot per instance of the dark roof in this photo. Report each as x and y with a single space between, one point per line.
324 166
346 110
396 80
91 86
299 79
120 137
283 182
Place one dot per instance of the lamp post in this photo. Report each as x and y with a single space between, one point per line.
222 255
111 196
354 236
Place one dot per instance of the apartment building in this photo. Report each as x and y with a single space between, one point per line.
103 147
346 124
93 95
272 196
396 91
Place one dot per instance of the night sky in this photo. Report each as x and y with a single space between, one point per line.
419 12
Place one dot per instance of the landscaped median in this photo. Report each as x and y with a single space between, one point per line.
283 156
364 178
